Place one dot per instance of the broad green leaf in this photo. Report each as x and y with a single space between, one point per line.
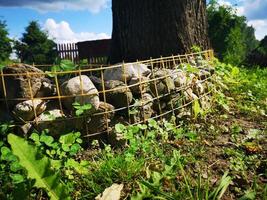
196 108
67 65
68 139
79 112
38 168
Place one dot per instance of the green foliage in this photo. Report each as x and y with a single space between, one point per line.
197 109
258 57
230 36
247 86
62 152
195 49
5 43
38 168
62 66
81 109
35 47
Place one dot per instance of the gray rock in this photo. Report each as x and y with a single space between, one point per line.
26 110
184 113
24 129
47 89
139 85
191 80
189 95
54 121
77 86
192 61
179 78
203 74
126 72
17 85
100 122
120 96
162 83
198 88
142 109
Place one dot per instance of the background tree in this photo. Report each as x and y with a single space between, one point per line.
5 42
258 57
153 28
35 47
230 36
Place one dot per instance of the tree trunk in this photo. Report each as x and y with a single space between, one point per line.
154 28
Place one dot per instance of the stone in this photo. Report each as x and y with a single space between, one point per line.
111 193
198 88
125 72
17 81
203 74
163 84
179 78
116 139
85 90
24 129
55 121
191 80
120 96
139 85
142 109
47 89
184 113
100 121
189 95
26 110
192 61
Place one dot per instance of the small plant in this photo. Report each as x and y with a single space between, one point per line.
196 49
62 66
81 109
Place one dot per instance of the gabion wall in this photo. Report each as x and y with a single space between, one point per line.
92 99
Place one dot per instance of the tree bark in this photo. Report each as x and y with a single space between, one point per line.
154 28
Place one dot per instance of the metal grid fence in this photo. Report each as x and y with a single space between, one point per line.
109 117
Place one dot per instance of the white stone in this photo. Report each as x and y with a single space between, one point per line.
85 90
26 110
126 72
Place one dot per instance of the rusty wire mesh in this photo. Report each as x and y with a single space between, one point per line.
123 114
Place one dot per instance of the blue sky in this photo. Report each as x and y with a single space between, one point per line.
78 20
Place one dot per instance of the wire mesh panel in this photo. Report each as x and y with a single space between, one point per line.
92 99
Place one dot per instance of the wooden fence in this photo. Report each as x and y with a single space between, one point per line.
68 51
96 52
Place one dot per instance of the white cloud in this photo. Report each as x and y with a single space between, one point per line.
260 26
62 33
93 6
224 3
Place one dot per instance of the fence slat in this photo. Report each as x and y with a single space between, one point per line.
68 51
